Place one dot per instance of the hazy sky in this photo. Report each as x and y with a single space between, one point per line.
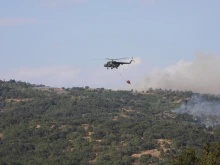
53 42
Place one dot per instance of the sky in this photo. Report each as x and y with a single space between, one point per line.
54 42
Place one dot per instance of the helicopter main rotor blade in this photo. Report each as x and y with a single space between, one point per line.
118 58
99 59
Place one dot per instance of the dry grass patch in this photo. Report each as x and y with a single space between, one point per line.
99 140
153 152
149 93
94 160
162 141
59 90
62 126
85 126
88 138
18 100
165 115
128 110
115 118
178 101
123 115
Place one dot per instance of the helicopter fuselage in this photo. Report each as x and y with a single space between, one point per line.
115 64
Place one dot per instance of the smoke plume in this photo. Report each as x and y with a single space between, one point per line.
201 75
205 111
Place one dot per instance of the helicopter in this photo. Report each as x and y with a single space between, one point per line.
115 64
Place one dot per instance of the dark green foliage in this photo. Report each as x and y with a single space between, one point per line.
209 156
98 126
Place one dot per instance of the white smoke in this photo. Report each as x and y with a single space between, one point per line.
205 111
201 75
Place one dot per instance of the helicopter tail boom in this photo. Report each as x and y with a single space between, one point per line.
126 62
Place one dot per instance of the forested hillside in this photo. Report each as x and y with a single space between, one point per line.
78 125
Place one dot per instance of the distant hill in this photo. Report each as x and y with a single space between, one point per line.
44 125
